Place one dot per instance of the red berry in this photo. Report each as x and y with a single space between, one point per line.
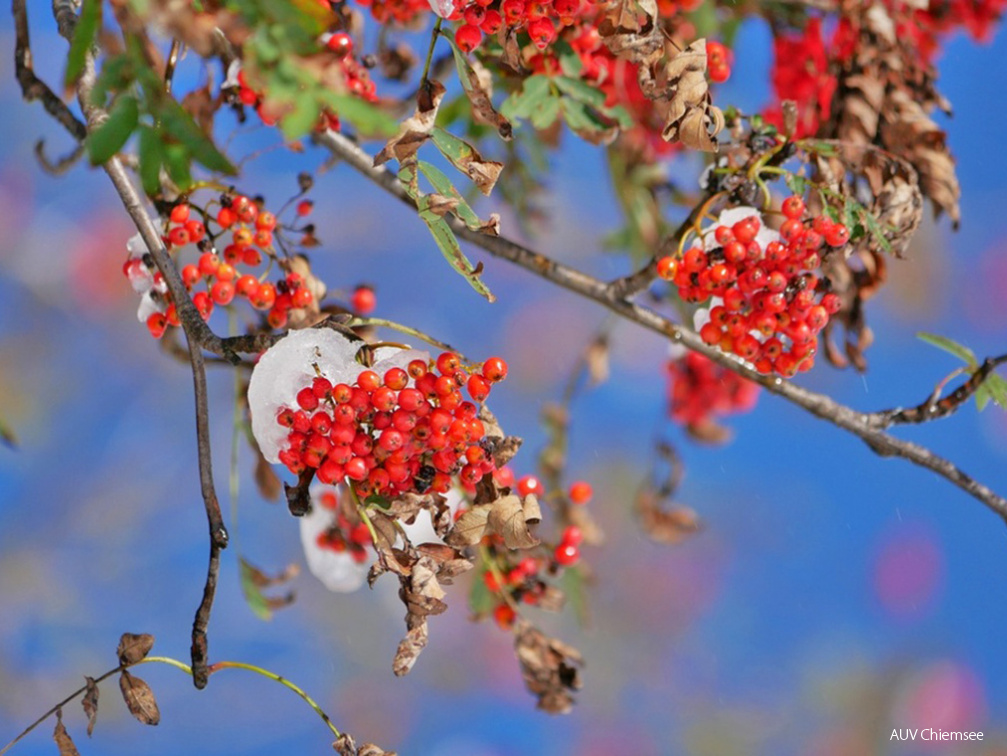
581 492
468 37
529 484
341 44
363 300
156 324
180 213
667 268
304 207
222 293
306 399
504 615
494 369
478 388
566 554
226 217
302 298
793 207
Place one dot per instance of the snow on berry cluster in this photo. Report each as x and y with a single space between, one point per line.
399 426
767 300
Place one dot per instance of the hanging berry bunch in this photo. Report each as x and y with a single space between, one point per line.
768 301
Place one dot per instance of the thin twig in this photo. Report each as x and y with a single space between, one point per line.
933 407
32 87
866 426
196 331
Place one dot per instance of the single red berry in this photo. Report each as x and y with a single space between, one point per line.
306 399
304 207
478 388
468 37
838 235
504 616
180 213
341 44
226 217
363 300
566 554
572 535
302 298
581 492
529 484
178 236
222 293
494 369
156 324
667 268
793 207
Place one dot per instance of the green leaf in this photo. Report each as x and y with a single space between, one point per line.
584 120
569 61
448 244
581 91
876 231
442 185
151 155
83 37
302 118
176 162
257 602
105 141
942 342
995 388
546 114
366 118
481 600
467 159
534 92
179 124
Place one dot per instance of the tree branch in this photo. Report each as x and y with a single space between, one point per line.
868 427
934 407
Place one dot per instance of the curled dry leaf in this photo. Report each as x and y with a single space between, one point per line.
855 280
139 699
63 740
511 516
344 745
132 648
692 118
671 526
416 129
90 702
549 667
410 648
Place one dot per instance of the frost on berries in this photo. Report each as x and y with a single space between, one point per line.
293 363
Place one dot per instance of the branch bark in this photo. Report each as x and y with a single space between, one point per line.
866 426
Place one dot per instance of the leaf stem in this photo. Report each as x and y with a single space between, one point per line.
430 52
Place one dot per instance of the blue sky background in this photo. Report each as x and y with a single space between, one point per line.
764 634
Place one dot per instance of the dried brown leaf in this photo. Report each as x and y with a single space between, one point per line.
549 667
510 517
63 740
410 648
416 129
132 648
440 205
671 525
691 117
345 746
479 92
90 702
470 527
139 699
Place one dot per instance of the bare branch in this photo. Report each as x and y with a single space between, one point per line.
869 427
934 408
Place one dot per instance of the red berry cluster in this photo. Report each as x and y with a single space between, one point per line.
700 389
541 19
718 61
251 237
773 303
389 437
344 536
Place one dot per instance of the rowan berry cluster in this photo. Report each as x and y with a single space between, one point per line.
251 240
701 389
407 431
769 301
343 536
541 19
718 61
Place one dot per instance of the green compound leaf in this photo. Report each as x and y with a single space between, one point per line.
953 347
993 388
83 37
105 141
